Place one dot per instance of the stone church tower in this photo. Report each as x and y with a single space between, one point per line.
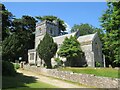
46 26
41 29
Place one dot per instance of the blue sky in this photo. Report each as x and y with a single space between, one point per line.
71 13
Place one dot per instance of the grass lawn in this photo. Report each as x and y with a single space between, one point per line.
22 82
106 72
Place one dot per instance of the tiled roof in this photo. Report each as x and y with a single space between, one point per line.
60 39
86 38
81 39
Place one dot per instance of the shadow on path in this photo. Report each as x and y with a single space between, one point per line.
17 81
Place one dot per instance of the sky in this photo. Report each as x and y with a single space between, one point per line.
71 12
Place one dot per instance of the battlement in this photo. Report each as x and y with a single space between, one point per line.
55 23
47 26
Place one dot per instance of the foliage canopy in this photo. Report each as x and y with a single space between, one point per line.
84 29
70 49
47 49
20 39
110 21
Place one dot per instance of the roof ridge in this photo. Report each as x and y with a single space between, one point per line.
65 35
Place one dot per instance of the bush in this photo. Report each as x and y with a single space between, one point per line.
59 62
70 49
16 66
47 49
8 69
97 64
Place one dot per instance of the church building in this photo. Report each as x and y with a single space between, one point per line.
90 44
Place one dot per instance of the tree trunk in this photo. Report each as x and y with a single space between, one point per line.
49 66
48 63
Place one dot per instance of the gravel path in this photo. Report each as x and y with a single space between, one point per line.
55 82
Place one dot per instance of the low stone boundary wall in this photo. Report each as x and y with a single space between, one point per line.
87 79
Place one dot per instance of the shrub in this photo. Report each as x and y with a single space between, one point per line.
59 62
97 64
16 66
8 69
47 49
70 49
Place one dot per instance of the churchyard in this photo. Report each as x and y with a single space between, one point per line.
37 52
104 72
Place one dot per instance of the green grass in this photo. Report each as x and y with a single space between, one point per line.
105 72
22 82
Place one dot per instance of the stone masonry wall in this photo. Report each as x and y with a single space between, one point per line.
87 79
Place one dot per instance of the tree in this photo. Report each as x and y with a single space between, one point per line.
7 45
62 25
47 49
100 33
20 40
26 25
70 49
110 21
84 29
5 21
14 46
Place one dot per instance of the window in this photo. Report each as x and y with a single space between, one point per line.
31 56
59 45
40 30
51 31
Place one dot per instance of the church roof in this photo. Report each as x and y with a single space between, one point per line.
81 39
31 50
60 39
86 38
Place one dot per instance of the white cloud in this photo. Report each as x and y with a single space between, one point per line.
68 28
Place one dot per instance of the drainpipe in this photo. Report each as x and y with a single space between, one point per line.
104 60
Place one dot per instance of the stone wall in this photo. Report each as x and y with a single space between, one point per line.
87 79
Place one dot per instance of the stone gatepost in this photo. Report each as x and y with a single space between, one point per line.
22 63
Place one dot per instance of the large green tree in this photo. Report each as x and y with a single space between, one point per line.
84 29
47 49
100 33
70 49
21 38
5 21
62 25
26 25
14 46
111 24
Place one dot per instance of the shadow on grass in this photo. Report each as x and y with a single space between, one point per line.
17 81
